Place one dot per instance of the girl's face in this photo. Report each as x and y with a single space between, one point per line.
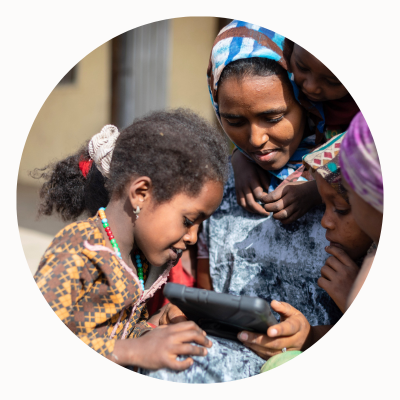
162 229
315 80
341 228
262 117
368 218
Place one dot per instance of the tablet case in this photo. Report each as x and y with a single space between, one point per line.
220 314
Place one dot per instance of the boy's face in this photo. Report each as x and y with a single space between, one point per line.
341 228
316 81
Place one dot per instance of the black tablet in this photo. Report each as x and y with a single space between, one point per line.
221 314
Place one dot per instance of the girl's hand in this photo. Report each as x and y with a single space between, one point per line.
160 347
293 333
292 201
250 181
338 276
172 315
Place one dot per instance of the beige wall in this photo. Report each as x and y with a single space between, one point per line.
71 114
191 40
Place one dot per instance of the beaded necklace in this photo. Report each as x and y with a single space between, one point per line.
114 244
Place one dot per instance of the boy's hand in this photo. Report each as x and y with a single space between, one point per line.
250 182
292 333
160 347
291 201
338 276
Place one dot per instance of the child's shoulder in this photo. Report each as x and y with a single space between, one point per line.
71 238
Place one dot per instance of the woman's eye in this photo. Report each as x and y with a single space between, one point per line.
342 212
187 222
274 120
236 123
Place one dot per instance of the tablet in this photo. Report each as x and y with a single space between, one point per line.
221 314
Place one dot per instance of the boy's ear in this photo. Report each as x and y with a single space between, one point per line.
139 191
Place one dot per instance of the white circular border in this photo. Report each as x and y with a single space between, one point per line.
42 40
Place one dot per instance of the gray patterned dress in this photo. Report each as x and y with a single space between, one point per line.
258 256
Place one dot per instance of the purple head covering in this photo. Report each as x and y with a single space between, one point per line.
360 163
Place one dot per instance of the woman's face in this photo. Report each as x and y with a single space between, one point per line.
162 229
368 218
341 228
316 81
262 117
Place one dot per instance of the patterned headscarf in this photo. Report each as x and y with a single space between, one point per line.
360 163
241 40
325 162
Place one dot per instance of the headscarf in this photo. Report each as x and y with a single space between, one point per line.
325 162
241 40
360 163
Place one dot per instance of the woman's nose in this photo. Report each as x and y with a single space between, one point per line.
327 221
258 136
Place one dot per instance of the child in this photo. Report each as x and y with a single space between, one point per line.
348 247
159 178
329 105
363 180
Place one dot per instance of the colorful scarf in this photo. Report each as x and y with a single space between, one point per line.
241 40
360 163
325 162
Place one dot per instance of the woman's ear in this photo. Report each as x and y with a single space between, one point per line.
140 191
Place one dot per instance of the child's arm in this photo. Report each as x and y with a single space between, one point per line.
338 276
160 347
203 274
293 333
250 181
292 201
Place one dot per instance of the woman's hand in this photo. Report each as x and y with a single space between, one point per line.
291 201
250 182
338 276
160 347
293 333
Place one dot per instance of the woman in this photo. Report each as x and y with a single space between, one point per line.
250 254
363 180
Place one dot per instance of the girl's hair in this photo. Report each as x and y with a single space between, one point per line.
178 150
256 66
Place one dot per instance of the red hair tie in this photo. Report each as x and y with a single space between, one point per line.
84 166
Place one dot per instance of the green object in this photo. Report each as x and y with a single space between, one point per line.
279 359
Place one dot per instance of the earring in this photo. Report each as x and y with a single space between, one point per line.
137 211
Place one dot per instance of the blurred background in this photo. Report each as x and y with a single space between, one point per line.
155 66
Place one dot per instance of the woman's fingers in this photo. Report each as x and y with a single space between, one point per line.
285 310
251 205
288 214
193 336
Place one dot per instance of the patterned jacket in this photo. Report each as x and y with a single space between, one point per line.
88 289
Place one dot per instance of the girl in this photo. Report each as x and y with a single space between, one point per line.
330 107
363 180
159 178
348 246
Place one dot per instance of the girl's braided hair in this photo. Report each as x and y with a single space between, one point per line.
178 150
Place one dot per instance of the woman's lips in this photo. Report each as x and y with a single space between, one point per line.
265 157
